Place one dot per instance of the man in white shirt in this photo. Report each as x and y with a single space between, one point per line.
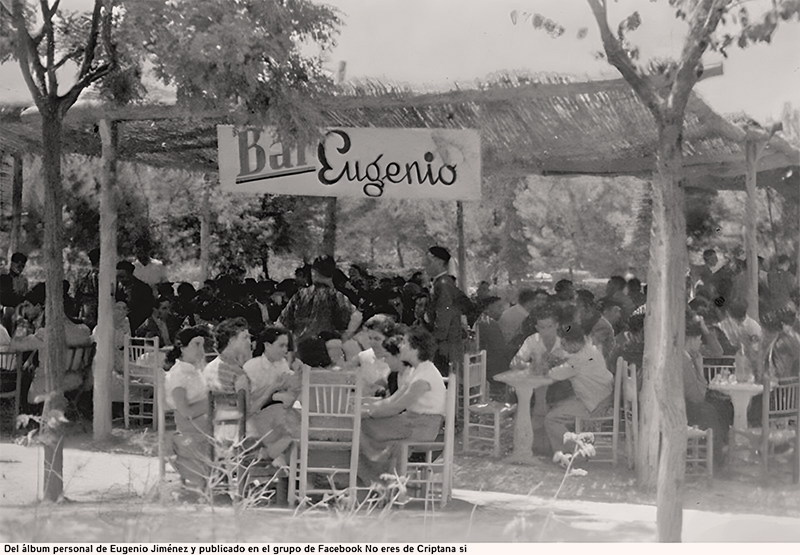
149 270
592 384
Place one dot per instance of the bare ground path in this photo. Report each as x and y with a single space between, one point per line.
110 488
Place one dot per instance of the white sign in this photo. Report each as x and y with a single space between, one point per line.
367 163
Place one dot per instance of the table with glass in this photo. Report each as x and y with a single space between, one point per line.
740 394
525 381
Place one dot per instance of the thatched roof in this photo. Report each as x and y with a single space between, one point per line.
594 127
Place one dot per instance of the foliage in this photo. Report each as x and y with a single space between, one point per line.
245 52
579 223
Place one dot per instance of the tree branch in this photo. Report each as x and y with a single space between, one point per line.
54 9
67 100
91 43
702 24
620 60
28 55
67 57
50 53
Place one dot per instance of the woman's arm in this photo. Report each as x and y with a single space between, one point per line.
397 403
186 409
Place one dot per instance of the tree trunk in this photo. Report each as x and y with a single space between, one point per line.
16 204
55 342
329 234
664 330
104 356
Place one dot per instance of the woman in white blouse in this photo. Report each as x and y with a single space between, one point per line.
187 394
415 411
274 387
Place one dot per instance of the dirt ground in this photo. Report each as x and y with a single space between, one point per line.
737 488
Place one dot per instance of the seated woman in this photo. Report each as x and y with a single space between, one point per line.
76 335
592 386
365 352
187 394
415 412
274 388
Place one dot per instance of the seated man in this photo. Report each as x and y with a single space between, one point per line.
700 412
592 386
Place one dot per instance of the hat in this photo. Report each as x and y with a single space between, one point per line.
441 253
325 266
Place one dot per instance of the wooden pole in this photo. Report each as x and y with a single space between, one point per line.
462 249
752 150
104 356
16 204
329 234
205 228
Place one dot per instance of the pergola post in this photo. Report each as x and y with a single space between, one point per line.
753 150
104 356
16 204
461 253
205 228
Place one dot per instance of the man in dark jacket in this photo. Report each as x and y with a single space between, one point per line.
445 311
136 293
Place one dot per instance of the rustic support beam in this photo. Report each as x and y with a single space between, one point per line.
104 356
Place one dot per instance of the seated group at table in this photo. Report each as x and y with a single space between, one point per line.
272 382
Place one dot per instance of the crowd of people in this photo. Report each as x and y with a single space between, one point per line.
403 335
261 334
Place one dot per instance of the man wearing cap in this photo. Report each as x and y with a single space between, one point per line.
320 307
444 311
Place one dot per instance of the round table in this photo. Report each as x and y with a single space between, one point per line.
524 382
740 394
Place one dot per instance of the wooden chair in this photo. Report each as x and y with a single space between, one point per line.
482 416
700 452
330 432
606 428
141 363
717 365
780 424
11 363
227 428
79 361
431 479
165 425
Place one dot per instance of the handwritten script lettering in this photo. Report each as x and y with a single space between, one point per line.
377 173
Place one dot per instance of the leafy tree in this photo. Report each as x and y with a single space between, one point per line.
248 52
43 39
664 88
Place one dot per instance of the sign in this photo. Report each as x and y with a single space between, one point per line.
365 162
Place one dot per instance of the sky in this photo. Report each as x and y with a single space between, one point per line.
439 43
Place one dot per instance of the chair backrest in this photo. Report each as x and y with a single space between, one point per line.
80 358
783 399
474 386
717 365
141 356
331 406
9 360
